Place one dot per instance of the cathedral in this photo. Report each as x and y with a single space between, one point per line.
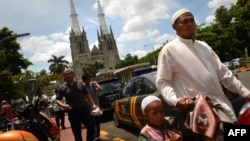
106 52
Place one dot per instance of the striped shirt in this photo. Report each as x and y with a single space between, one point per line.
149 133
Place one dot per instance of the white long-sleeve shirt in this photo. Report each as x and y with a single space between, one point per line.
189 67
55 106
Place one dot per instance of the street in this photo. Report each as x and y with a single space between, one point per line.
126 133
244 77
111 133
108 131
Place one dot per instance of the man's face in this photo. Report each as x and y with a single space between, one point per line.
68 76
185 26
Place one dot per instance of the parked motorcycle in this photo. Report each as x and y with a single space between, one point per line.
32 120
17 135
4 121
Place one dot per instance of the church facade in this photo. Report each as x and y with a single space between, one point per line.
106 52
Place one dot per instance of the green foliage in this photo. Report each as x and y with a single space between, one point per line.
7 84
13 60
128 60
42 79
229 34
58 64
11 65
93 68
151 57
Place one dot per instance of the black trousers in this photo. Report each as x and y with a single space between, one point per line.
97 126
80 116
60 118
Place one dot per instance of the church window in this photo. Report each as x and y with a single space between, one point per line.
80 47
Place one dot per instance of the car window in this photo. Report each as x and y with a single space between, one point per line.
126 91
140 86
111 85
150 87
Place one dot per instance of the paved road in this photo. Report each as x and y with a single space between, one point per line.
126 133
67 135
244 77
111 133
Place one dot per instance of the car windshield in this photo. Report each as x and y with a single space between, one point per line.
111 85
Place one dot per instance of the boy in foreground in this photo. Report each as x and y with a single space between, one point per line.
155 129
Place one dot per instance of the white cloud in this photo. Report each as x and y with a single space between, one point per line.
135 23
164 38
214 4
210 19
139 53
41 48
138 19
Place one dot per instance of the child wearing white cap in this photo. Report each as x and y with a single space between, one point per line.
153 112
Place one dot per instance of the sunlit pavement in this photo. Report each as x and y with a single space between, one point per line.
67 135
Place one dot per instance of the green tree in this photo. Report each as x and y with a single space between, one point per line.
151 57
58 64
13 61
93 68
22 82
11 65
128 60
241 23
41 78
226 35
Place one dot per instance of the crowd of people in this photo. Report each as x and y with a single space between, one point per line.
76 98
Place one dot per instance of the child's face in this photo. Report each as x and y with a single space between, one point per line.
154 113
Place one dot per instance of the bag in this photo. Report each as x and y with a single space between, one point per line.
173 135
244 119
203 120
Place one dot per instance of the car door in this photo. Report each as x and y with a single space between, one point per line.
121 106
137 92
143 87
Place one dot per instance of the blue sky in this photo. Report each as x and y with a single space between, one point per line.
139 26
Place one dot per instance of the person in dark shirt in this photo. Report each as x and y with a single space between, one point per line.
74 93
93 87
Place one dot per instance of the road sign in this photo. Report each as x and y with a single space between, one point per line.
54 77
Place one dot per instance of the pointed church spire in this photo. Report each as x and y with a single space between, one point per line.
103 25
75 24
111 32
98 36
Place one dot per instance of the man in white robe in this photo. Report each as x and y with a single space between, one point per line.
188 67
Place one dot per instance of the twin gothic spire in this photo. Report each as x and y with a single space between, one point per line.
75 24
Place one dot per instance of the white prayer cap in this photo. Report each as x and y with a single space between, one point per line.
147 100
177 14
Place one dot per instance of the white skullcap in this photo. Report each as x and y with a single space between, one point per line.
147 100
177 14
